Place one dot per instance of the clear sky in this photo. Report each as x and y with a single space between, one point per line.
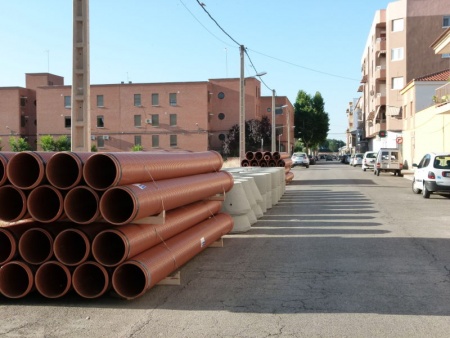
312 45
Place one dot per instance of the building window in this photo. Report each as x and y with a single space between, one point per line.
397 83
155 141
100 102
137 120
137 100
100 142
446 22
23 101
397 54
67 103
100 121
446 56
173 120
155 99
221 95
173 141
221 116
137 140
155 120
173 99
67 122
397 25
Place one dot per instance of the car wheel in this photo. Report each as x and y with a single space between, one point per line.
425 192
415 190
364 169
307 166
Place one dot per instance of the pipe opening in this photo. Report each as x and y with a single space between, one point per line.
52 280
3 164
108 248
16 280
13 204
45 204
24 170
7 246
129 280
71 247
100 172
90 280
63 171
117 206
35 246
81 205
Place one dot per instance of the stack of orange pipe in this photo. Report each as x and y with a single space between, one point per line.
83 221
269 159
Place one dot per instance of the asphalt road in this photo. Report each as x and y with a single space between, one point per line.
343 254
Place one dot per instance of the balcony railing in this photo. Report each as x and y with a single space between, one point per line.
380 44
442 94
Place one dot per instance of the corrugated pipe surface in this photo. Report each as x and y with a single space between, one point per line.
26 170
124 204
73 246
112 247
46 204
13 204
53 279
64 170
16 279
4 158
81 205
90 280
9 240
134 277
104 170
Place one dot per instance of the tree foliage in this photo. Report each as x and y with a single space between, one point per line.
310 119
48 143
332 145
18 144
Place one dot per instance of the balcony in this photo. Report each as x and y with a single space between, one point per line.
380 73
380 99
442 94
380 45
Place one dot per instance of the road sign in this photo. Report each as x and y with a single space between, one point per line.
399 140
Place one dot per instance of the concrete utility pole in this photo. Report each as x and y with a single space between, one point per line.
242 107
80 114
273 148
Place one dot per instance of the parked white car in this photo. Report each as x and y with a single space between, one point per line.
356 159
300 159
432 175
368 161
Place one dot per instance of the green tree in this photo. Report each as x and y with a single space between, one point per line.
137 147
48 143
1 145
310 119
18 144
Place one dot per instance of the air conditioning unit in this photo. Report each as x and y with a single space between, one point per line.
149 121
106 137
92 137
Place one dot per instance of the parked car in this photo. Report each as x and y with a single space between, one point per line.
432 175
388 160
312 159
300 159
356 159
345 159
368 160
329 158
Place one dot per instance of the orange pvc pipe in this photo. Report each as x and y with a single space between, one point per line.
105 170
5 156
53 279
91 280
9 240
124 204
134 277
46 204
73 246
16 279
13 204
245 163
112 247
26 170
81 205
64 169
249 155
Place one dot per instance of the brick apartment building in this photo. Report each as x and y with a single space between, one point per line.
397 51
193 116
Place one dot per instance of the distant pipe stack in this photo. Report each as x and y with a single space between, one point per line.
52 241
269 159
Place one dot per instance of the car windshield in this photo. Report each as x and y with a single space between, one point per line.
442 162
371 155
299 154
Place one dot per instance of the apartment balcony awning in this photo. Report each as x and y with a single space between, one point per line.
393 111
371 116
364 79
360 89
381 52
